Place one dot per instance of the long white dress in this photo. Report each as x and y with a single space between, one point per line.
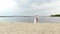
35 18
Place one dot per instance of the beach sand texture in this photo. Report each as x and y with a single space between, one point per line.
29 28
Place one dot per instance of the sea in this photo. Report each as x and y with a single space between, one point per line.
41 19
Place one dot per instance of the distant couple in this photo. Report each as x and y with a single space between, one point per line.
35 18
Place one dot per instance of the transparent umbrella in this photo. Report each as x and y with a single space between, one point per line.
35 15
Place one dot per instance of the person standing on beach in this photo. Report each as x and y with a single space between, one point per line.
35 18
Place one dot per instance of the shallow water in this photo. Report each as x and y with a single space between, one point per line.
16 19
49 19
29 19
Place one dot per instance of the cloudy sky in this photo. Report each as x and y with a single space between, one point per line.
29 7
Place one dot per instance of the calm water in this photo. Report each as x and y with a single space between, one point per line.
49 19
29 19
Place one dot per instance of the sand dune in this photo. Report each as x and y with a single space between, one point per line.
29 28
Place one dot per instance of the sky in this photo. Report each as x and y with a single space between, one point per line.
29 7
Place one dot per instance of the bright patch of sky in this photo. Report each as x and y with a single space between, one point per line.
29 7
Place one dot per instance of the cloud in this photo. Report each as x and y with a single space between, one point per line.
7 4
50 8
7 7
46 5
28 7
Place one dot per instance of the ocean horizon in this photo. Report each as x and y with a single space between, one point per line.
41 19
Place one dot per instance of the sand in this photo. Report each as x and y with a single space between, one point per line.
29 28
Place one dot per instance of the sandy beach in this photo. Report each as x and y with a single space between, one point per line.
29 28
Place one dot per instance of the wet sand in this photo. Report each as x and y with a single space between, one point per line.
29 28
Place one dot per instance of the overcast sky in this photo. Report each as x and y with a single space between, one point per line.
29 7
